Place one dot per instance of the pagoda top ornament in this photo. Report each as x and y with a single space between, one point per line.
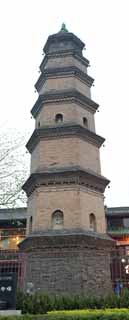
63 28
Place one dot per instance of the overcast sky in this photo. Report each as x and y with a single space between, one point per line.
104 27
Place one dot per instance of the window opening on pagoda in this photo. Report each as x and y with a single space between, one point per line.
30 224
92 219
59 118
85 122
39 124
57 219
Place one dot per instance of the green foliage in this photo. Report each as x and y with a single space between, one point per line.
112 301
114 314
40 303
124 299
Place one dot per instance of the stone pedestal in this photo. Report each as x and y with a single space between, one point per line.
70 262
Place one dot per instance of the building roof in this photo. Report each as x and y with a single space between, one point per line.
117 211
13 213
68 40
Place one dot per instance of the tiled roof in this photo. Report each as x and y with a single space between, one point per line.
13 213
117 211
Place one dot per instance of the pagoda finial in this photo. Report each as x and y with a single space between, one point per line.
63 28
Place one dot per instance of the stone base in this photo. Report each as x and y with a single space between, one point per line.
71 262
7 313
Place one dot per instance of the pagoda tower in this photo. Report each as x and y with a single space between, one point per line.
66 242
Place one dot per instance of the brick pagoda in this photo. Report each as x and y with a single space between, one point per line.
67 248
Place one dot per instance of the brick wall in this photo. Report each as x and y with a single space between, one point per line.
67 61
76 202
71 264
92 202
68 151
71 113
65 83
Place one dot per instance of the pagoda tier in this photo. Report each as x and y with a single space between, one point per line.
64 96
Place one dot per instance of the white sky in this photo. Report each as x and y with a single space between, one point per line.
104 26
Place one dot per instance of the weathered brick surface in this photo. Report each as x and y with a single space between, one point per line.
71 113
65 151
50 199
92 202
65 83
77 203
66 61
78 264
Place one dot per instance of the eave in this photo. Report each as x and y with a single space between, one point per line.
63 36
63 72
61 131
62 97
74 175
115 212
62 54
118 232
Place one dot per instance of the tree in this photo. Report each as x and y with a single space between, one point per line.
14 164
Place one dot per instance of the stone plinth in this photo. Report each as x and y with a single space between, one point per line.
71 262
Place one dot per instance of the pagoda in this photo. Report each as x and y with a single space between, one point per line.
67 248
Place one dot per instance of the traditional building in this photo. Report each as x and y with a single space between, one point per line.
12 232
118 228
12 227
66 243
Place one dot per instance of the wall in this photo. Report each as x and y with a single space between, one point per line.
71 113
76 265
92 202
65 83
58 198
61 152
66 61
76 202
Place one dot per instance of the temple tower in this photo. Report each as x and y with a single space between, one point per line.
66 242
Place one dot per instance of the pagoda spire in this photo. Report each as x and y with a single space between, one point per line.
63 28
